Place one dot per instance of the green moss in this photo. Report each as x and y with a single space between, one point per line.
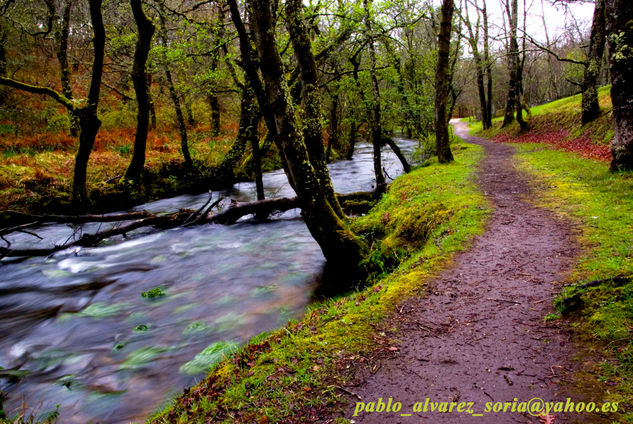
426 216
600 203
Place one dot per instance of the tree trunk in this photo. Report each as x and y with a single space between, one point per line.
442 139
373 103
152 106
488 65
513 62
333 135
180 120
311 98
619 18
89 123
249 118
341 248
139 79
590 105
3 62
214 104
88 127
61 36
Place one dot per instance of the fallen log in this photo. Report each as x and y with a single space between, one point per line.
183 217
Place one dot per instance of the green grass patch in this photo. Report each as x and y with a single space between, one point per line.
601 204
561 114
425 217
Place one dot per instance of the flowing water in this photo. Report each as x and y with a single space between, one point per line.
111 333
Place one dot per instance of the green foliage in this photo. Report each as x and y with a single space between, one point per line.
154 293
205 360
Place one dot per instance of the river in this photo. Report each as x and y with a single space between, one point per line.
111 333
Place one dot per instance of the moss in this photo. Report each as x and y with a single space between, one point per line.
427 216
600 203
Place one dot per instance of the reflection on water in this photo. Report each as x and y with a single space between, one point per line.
108 332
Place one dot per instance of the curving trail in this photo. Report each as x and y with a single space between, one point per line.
478 335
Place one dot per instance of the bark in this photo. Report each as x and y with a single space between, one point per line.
513 62
214 104
89 122
373 103
488 64
394 147
342 249
139 79
3 62
442 140
619 20
152 107
473 41
61 36
333 136
590 105
311 99
249 118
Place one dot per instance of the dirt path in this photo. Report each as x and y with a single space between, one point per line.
478 335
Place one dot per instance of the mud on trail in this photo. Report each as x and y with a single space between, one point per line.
478 334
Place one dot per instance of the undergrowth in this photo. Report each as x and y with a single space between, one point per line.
290 374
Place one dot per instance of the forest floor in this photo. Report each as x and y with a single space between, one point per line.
479 334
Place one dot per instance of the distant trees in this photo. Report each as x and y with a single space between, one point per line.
86 112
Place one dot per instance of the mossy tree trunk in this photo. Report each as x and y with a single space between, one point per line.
373 101
139 79
442 139
619 20
311 99
590 105
341 248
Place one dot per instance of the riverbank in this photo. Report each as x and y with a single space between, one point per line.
36 172
300 372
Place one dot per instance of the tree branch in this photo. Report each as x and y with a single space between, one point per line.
38 89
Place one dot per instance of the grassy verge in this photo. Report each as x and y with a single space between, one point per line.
601 204
294 373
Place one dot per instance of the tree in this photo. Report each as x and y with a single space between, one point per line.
514 105
85 113
593 64
173 94
342 249
619 20
480 65
139 79
312 129
442 139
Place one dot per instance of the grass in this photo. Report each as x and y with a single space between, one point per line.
559 123
600 203
285 374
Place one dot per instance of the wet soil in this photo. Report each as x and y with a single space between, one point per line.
478 334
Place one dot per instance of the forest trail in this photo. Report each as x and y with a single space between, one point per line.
478 334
